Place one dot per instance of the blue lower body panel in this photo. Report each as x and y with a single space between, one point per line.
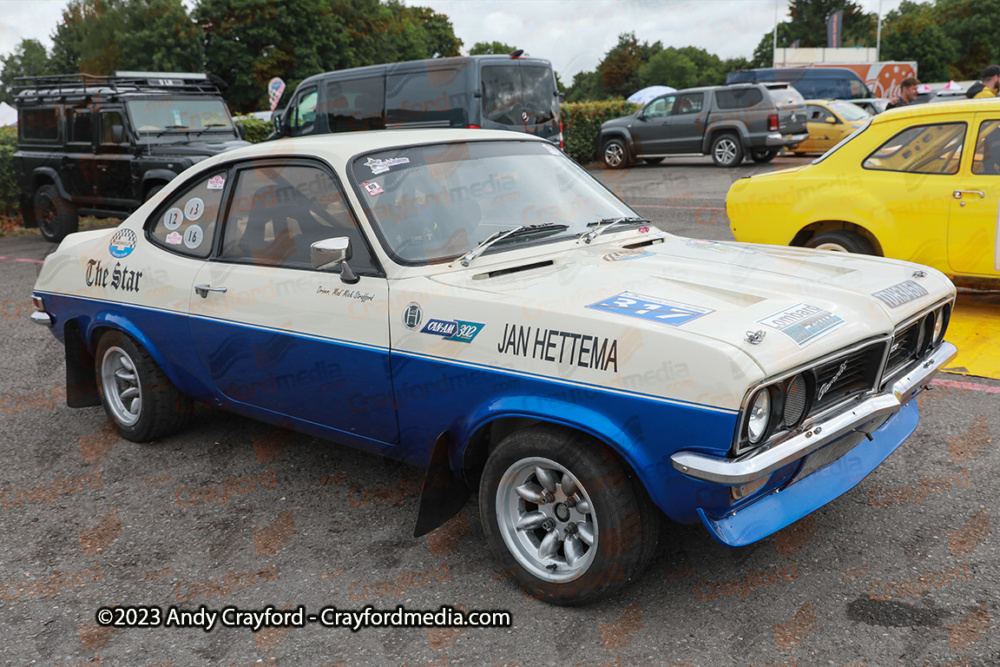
804 496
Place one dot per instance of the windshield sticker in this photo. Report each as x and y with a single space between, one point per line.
173 218
552 149
644 230
654 309
719 247
625 254
193 236
458 330
217 182
803 323
372 188
194 208
897 295
173 238
561 347
381 166
122 243
177 118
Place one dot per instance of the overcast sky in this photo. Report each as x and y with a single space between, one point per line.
573 34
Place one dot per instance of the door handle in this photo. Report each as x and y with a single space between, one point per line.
203 290
957 194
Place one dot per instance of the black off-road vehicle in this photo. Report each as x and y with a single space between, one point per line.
102 145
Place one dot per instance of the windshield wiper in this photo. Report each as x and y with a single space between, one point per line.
210 126
523 230
172 127
607 223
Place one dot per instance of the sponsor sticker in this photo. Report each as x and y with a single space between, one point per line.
372 188
412 315
381 166
122 243
719 247
173 218
217 182
193 236
552 149
803 323
458 330
173 238
625 255
194 208
644 230
654 309
897 295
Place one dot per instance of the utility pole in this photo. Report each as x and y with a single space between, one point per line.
878 35
774 54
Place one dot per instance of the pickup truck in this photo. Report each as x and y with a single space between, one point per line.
726 122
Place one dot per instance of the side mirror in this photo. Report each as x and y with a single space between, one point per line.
328 253
117 134
242 131
831 120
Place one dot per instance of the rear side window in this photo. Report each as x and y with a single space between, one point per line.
80 127
987 158
40 124
690 103
355 105
738 98
428 95
924 149
187 224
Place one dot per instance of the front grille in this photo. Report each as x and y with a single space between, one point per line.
904 348
847 376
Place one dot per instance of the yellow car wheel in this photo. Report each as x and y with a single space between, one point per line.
841 241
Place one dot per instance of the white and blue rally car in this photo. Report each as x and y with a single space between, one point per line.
475 303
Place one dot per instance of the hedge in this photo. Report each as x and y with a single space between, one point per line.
582 123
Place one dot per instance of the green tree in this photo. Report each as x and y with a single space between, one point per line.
809 17
587 87
29 58
971 24
669 67
913 32
620 68
487 48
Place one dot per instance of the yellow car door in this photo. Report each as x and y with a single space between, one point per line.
974 219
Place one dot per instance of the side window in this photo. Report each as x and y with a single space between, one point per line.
278 211
924 149
187 223
304 112
355 105
660 107
738 98
40 124
80 128
501 94
986 161
691 103
109 119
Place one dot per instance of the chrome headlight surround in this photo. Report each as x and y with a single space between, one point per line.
788 401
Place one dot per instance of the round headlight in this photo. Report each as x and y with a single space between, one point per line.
938 326
760 414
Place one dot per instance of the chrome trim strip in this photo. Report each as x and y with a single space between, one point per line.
813 436
41 317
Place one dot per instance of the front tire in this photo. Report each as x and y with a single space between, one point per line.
727 150
841 241
137 395
615 154
762 156
561 512
56 218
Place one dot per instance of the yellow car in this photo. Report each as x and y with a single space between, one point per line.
829 122
919 183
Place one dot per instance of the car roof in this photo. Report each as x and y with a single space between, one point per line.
933 110
338 148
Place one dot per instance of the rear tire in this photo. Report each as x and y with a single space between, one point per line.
564 515
763 155
615 154
841 241
135 392
727 150
55 216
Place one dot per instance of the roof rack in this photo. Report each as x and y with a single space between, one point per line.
119 82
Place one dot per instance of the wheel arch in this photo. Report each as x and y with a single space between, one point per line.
812 229
48 176
106 321
729 127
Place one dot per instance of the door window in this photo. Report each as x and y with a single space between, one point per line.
109 119
691 103
80 129
304 112
924 149
186 225
817 114
986 160
660 107
279 210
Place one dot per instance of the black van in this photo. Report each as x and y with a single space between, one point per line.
817 83
490 92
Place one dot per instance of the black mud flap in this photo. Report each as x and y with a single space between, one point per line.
81 383
444 494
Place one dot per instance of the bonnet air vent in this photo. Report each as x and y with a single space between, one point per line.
513 269
642 244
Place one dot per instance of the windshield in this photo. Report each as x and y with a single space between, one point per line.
850 112
169 114
434 203
844 141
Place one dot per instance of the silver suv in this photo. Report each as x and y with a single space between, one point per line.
726 122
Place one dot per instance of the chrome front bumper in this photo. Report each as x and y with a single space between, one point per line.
816 434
